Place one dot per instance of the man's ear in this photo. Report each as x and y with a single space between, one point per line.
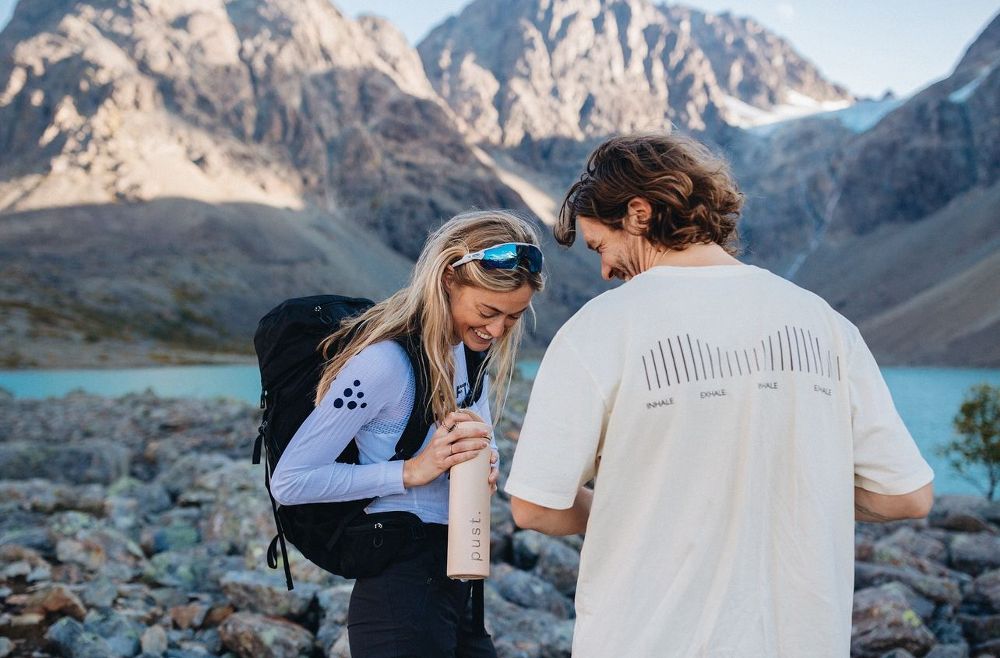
637 215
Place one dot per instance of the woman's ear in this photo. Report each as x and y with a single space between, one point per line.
637 215
448 279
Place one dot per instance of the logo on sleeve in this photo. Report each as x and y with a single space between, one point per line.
350 393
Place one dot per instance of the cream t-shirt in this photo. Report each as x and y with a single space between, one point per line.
727 415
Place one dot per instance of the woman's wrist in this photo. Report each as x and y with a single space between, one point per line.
409 474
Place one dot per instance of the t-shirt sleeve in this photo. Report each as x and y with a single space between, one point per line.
560 439
308 471
886 459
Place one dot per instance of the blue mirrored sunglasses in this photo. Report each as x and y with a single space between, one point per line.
506 256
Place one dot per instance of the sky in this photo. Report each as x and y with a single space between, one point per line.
868 46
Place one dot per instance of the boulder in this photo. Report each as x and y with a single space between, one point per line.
940 590
883 620
559 564
71 640
85 541
975 553
45 496
980 630
56 599
250 635
986 589
944 626
182 473
526 545
266 593
154 640
957 650
121 633
333 605
189 615
176 535
78 462
529 591
99 593
23 562
947 505
518 631
501 528
195 569
963 522
918 544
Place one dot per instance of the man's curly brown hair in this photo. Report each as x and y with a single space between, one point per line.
694 198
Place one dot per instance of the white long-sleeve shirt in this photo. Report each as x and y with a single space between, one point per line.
369 401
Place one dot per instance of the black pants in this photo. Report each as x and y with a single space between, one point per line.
413 610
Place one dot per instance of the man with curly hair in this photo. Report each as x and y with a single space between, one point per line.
734 425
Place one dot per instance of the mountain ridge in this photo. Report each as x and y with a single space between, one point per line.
223 128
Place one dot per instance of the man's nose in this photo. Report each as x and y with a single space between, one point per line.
606 272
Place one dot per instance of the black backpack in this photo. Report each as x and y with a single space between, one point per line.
287 341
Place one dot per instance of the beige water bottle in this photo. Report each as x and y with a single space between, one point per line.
469 519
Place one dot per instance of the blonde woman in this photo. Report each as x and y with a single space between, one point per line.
472 284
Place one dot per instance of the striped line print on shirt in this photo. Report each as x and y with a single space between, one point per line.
681 359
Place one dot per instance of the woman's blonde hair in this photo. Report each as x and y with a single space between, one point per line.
422 306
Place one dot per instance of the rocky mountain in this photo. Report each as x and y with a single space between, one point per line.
169 169
578 69
890 211
278 102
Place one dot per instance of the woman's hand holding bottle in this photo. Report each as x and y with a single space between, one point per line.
458 438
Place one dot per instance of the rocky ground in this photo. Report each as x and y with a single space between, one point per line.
137 526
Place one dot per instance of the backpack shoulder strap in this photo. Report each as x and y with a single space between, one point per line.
420 416
475 370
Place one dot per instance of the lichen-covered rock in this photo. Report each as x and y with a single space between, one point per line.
56 599
958 650
530 591
80 462
267 593
121 633
154 640
196 569
558 564
941 590
250 635
41 495
980 630
71 639
975 553
986 589
914 542
333 604
501 528
519 631
90 543
23 562
883 620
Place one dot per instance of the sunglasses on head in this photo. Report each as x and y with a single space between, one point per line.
506 256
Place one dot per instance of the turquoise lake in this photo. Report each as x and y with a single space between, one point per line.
927 398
